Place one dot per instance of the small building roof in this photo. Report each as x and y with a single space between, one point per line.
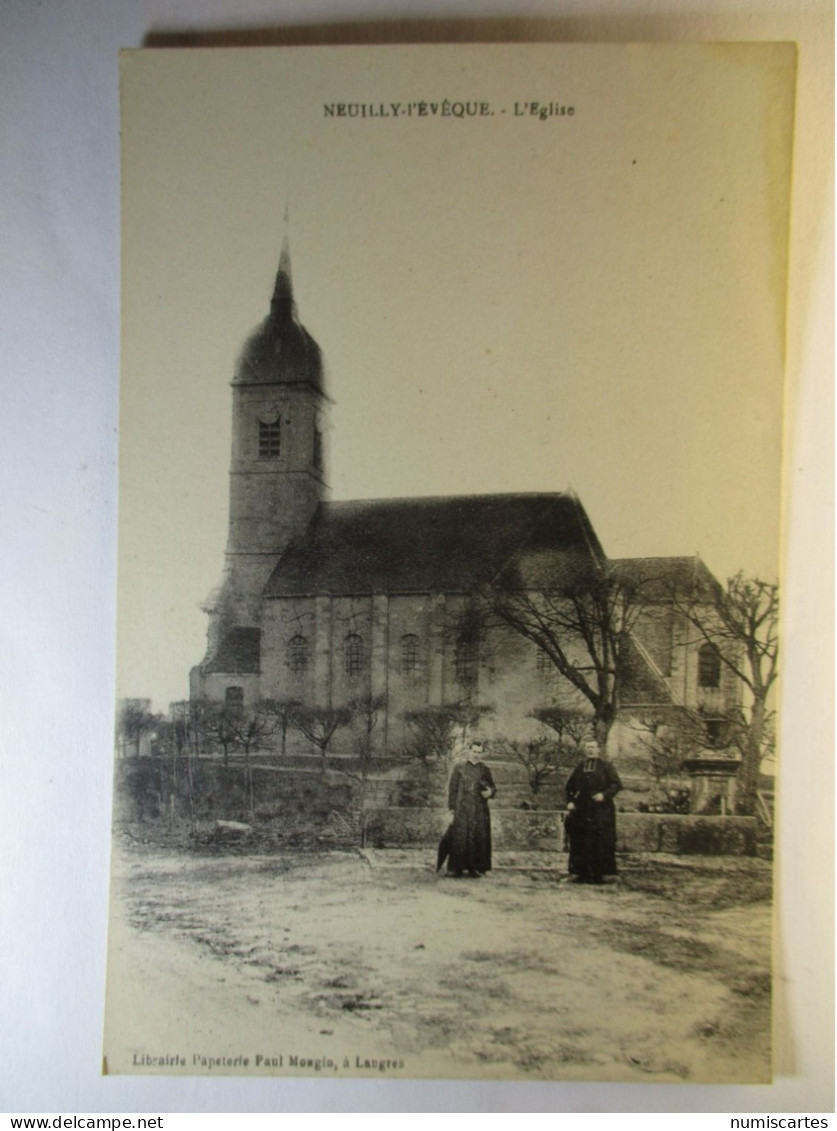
660 578
238 652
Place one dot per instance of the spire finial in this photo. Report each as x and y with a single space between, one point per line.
286 240
282 302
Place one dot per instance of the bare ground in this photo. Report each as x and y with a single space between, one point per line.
346 959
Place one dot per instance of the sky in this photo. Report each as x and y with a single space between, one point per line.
505 302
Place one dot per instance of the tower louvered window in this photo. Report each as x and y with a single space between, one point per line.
269 439
353 657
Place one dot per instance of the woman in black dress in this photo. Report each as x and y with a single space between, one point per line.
468 840
591 817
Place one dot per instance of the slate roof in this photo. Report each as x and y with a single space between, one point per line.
280 350
239 651
660 577
432 545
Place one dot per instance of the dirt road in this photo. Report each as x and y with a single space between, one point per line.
341 965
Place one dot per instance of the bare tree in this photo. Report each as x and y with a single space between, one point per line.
583 627
134 721
283 711
741 622
141 778
194 716
172 742
319 725
438 731
191 739
432 732
366 714
436 735
540 757
570 724
250 729
543 757
665 741
221 725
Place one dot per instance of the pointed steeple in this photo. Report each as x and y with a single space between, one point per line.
280 350
282 303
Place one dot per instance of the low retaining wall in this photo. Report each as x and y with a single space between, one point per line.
542 830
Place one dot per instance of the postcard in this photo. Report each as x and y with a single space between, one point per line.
450 465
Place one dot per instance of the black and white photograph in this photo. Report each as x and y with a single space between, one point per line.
418 431
451 425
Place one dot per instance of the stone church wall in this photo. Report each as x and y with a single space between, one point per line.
282 621
404 651
215 686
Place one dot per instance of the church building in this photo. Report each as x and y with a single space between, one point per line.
329 604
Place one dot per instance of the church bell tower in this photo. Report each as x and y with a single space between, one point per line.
277 468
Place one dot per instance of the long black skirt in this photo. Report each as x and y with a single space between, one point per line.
592 840
466 844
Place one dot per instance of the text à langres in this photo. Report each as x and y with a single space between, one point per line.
443 109
260 1061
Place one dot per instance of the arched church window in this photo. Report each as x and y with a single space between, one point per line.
353 654
467 658
410 655
709 666
269 438
297 659
545 667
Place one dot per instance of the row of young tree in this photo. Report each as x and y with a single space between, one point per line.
586 630
200 729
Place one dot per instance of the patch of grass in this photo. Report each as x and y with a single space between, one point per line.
518 960
756 983
341 982
533 1059
437 1029
476 987
358 1001
689 955
709 1028
716 882
281 973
